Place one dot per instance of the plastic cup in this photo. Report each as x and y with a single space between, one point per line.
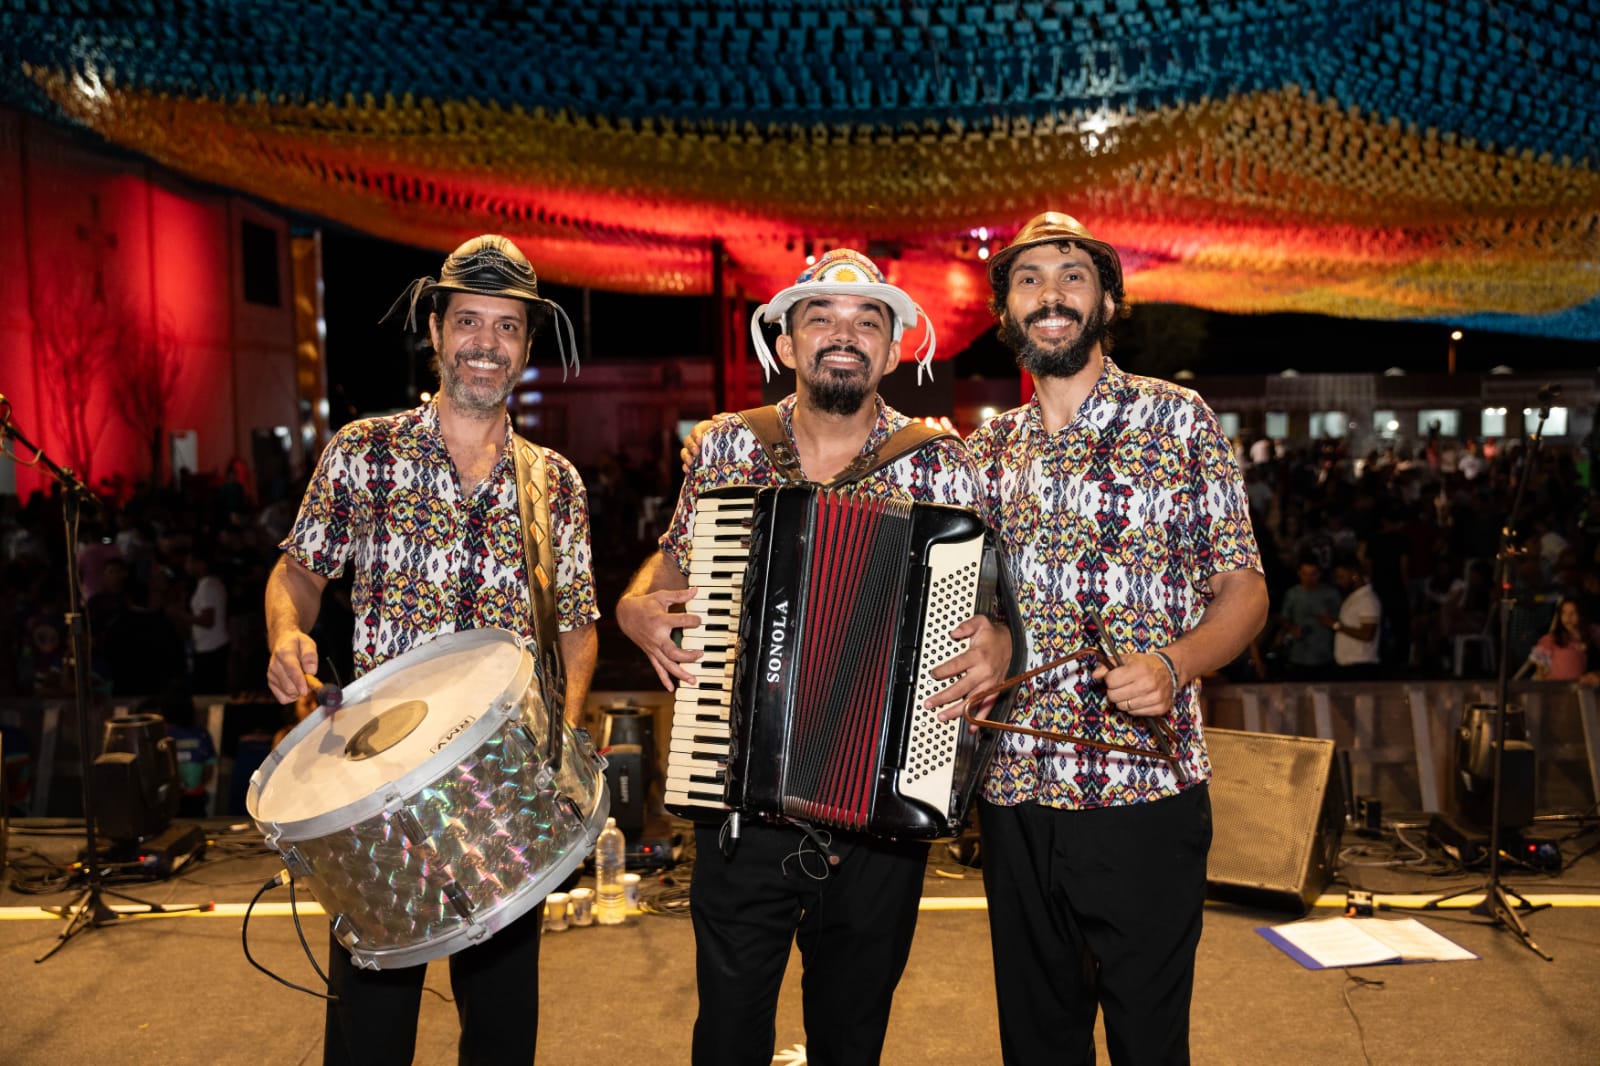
582 906
555 911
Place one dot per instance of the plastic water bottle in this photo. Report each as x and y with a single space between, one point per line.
610 906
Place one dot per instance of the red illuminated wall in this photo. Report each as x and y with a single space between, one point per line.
86 236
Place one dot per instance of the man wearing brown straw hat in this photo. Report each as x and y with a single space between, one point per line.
426 505
1123 516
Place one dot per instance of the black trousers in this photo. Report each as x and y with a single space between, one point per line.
495 985
853 922
1096 909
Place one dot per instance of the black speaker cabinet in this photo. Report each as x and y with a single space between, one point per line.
1277 818
628 740
625 780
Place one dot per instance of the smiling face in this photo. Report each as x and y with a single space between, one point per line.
480 346
839 347
1056 310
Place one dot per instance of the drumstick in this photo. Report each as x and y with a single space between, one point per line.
1158 728
327 694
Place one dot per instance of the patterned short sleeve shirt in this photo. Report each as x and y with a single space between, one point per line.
1131 507
732 455
386 498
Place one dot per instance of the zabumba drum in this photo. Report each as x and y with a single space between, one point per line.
437 805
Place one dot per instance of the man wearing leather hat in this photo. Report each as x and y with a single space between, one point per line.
1123 516
451 521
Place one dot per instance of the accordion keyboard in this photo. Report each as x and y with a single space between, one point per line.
719 555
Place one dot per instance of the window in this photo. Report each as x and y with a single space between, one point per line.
1554 426
1328 424
1494 421
1449 421
1229 420
1385 425
259 247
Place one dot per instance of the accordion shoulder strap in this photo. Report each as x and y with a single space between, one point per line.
767 426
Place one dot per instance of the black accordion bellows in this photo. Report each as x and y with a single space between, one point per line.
847 605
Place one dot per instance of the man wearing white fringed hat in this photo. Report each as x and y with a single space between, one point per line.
841 329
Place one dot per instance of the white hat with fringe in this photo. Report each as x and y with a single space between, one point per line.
843 272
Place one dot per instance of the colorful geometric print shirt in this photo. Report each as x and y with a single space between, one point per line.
731 455
1132 507
385 496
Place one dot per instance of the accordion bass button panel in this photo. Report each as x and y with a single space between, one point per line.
954 571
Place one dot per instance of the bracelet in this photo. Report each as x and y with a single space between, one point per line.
1172 672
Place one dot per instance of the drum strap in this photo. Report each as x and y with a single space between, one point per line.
533 504
767 425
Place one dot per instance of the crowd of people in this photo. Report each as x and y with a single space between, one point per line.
173 579
171 582
1385 565
1410 536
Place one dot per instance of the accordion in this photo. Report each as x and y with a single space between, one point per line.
823 615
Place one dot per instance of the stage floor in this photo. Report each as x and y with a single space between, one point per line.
177 991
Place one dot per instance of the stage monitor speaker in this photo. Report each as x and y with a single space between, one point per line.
628 741
1277 816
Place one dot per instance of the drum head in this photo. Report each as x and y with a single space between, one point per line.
398 729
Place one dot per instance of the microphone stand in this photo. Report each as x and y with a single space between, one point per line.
1497 903
89 910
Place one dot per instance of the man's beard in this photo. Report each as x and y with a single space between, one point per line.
472 398
834 394
1056 361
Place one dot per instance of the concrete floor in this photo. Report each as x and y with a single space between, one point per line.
177 991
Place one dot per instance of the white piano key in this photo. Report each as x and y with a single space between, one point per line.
700 735
712 750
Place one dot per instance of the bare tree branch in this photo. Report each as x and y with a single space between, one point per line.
76 336
145 380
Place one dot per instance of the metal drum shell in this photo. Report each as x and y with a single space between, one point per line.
496 832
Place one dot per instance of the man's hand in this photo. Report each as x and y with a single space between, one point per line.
293 657
648 620
983 664
1140 686
691 444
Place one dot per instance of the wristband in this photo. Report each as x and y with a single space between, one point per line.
1172 672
